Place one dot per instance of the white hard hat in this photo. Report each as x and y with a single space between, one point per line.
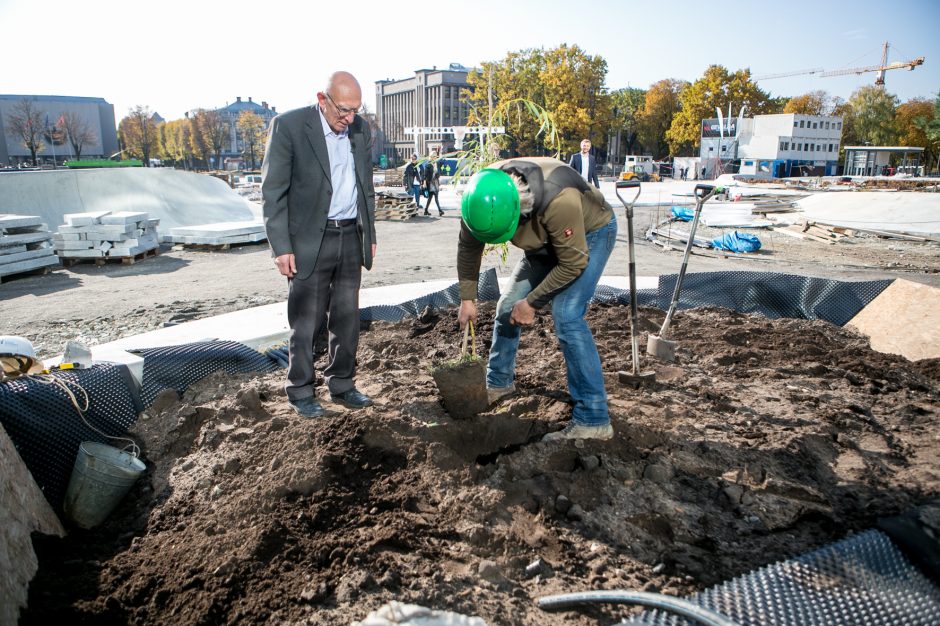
17 356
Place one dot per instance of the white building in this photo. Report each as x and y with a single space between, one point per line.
787 144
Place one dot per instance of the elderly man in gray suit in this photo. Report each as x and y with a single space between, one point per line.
319 214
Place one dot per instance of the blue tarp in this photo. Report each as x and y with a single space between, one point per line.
737 242
683 213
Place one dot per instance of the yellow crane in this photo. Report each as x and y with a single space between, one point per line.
879 80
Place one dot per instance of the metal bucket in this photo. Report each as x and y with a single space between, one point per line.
102 476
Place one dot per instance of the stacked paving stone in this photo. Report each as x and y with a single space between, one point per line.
24 244
106 234
221 234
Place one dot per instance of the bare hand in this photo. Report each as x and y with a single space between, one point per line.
286 265
522 313
467 312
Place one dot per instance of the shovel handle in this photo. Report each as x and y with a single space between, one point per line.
701 191
468 333
627 184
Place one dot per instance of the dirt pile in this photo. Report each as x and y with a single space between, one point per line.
766 440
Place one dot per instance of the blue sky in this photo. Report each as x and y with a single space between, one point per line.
174 56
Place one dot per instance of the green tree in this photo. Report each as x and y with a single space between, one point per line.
25 123
873 116
660 106
250 126
812 103
627 105
139 134
716 88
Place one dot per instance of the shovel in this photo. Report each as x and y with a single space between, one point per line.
656 345
462 382
634 378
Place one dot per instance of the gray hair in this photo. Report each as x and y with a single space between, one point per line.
526 198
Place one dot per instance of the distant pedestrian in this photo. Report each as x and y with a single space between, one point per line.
432 184
412 179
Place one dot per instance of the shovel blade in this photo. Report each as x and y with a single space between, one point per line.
636 380
662 349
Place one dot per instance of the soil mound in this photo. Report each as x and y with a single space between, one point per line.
767 439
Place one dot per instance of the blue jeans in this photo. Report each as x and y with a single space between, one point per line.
416 190
585 378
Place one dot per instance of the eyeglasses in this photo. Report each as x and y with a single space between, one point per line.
343 111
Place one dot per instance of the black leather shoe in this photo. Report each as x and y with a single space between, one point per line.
441 213
426 213
308 407
353 399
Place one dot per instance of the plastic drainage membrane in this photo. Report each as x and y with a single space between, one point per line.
864 579
46 429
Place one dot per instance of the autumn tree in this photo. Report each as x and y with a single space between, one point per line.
250 127
209 133
914 118
716 88
25 123
177 142
576 95
627 106
932 127
514 79
565 83
873 116
78 131
813 103
138 134
660 106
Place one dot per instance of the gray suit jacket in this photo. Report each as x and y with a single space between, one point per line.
296 187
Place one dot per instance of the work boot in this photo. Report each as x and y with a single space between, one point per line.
577 431
307 407
352 399
494 394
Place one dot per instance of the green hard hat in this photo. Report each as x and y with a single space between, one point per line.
490 206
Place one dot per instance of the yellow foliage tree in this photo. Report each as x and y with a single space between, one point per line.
716 88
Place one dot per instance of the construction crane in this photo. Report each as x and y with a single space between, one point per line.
879 80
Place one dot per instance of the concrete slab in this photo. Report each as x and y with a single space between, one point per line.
904 319
88 218
220 229
9 221
49 260
124 218
902 212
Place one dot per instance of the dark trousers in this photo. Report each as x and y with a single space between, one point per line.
432 194
329 295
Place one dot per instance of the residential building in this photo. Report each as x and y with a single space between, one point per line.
96 113
232 152
430 98
786 144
